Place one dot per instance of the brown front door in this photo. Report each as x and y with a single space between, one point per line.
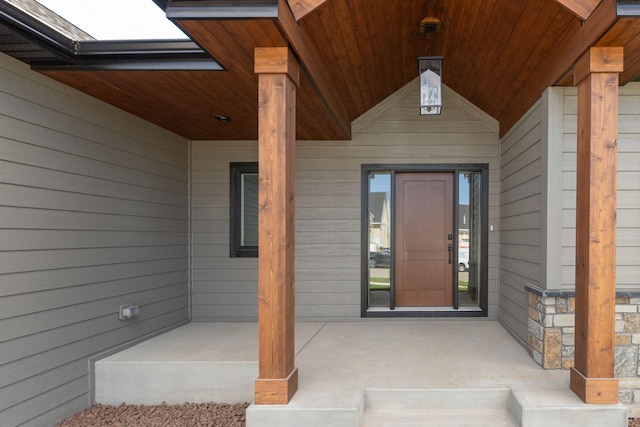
423 227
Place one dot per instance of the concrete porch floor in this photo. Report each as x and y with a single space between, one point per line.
365 373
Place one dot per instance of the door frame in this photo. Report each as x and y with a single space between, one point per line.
456 168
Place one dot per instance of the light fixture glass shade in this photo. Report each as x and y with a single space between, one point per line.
430 70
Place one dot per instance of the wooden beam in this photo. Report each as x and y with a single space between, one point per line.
601 60
277 60
278 76
301 8
596 74
581 8
304 48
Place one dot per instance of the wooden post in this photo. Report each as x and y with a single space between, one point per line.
278 74
596 75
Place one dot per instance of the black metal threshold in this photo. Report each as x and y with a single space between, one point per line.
408 312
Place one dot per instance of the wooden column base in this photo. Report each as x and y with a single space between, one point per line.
594 390
277 391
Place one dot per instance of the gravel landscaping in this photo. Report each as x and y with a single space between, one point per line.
185 415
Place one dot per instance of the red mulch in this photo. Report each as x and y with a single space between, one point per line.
185 415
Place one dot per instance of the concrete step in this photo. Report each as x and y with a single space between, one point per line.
429 399
448 407
532 407
151 383
440 418
535 407
183 365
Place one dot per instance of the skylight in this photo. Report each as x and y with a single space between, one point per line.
117 19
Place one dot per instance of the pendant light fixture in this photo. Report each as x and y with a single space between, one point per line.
430 72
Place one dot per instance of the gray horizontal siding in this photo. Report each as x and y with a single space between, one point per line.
93 214
521 218
328 205
628 203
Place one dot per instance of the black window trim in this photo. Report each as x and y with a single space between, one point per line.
236 249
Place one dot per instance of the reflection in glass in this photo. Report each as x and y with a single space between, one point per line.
379 238
249 209
469 238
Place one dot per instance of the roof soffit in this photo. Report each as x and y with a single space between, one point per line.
500 56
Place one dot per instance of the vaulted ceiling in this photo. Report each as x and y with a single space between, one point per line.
499 54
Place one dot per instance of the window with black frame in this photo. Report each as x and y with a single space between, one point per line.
244 209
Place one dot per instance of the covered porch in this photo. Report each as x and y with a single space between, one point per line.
361 373
286 84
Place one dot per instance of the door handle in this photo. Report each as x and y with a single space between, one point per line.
450 249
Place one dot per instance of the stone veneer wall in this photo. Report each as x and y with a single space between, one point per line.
552 333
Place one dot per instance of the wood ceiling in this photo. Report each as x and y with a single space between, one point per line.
499 54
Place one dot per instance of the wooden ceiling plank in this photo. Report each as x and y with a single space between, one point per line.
451 22
386 43
581 8
441 11
499 31
314 24
620 33
232 53
559 60
333 54
469 71
631 65
302 44
413 42
350 53
452 36
166 107
528 63
365 34
514 53
382 41
301 8
225 102
243 124
313 121
259 33
566 80
396 53
549 27
428 9
465 30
